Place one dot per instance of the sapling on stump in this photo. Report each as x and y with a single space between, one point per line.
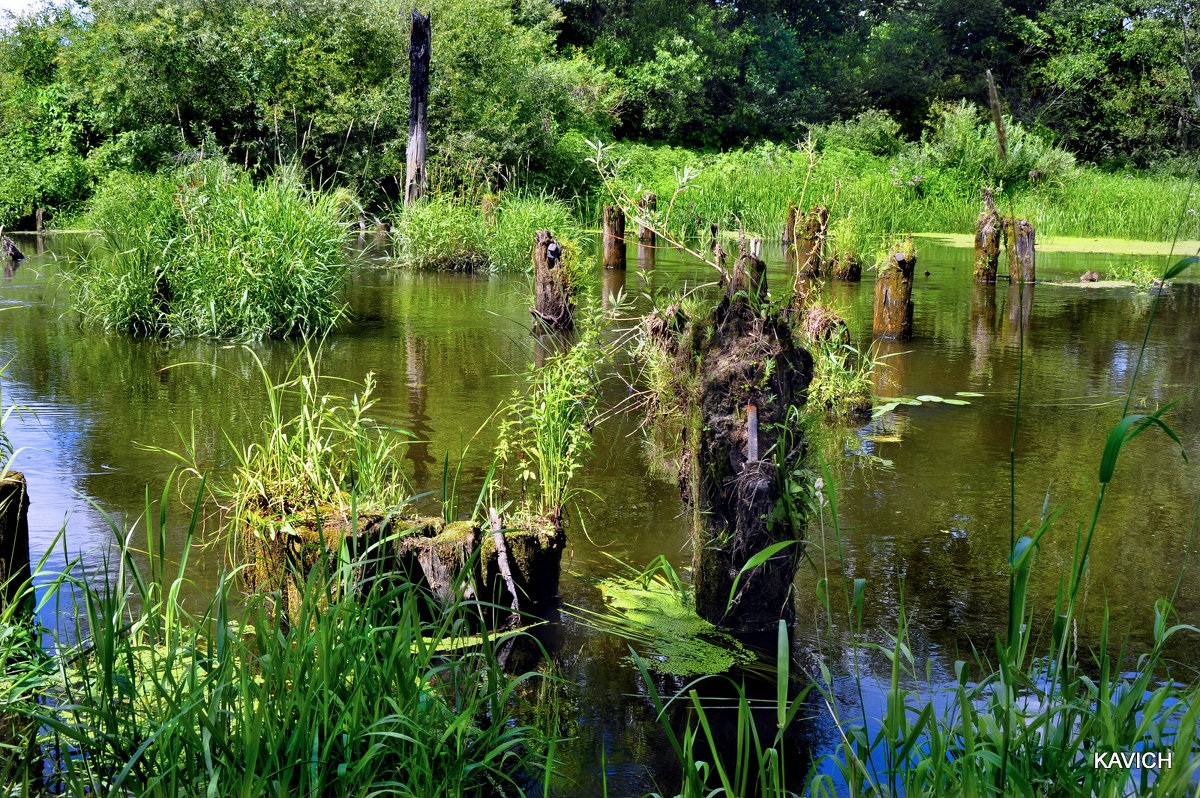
736 375
14 539
810 248
554 308
614 237
647 205
893 294
1019 246
987 242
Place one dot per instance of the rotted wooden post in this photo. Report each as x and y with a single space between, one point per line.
553 308
789 224
1019 244
647 205
987 242
15 573
751 433
418 107
810 249
614 238
846 266
893 296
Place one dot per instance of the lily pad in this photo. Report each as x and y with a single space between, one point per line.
955 402
928 397
967 393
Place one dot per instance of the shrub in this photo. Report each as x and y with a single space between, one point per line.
873 131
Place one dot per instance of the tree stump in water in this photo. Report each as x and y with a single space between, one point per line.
553 307
810 249
1019 245
987 242
893 296
647 205
846 266
418 107
14 540
789 224
9 250
614 238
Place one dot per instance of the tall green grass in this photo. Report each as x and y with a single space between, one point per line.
448 232
204 250
150 694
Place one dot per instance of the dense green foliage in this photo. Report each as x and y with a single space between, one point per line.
204 250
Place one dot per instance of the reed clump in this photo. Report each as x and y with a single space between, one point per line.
205 250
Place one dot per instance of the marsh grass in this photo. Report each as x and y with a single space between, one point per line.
151 694
206 251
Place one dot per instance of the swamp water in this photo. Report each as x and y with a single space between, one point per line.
923 491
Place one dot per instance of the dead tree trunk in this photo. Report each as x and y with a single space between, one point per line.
987 242
9 249
647 205
418 107
893 296
1019 245
614 238
789 224
810 250
14 540
553 308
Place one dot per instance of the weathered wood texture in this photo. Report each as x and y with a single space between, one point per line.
553 308
893 297
14 538
810 248
614 237
846 266
647 205
1020 246
987 241
789 224
418 107
9 249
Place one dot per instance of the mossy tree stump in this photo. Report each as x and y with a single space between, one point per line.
846 266
554 308
810 248
614 237
987 242
1019 244
647 205
15 573
893 317
789 224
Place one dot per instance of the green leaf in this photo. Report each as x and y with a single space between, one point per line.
955 402
1179 267
754 562
967 393
928 397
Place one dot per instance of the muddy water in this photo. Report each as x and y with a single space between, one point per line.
924 492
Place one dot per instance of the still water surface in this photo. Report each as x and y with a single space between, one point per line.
924 492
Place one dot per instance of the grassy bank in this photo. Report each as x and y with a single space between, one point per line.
204 250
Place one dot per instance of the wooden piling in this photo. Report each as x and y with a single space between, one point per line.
418 107
647 205
553 307
1019 245
15 573
810 248
987 242
614 238
789 224
893 296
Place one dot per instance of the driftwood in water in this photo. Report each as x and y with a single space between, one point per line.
9 249
614 237
846 266
810 248
741 357
987 241
418 107
789 224
647 205
893 295
1019 245
554 308
14 540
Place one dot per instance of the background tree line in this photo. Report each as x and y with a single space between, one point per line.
518 85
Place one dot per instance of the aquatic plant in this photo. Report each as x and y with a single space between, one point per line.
843 377
1134 270
204 250
151 694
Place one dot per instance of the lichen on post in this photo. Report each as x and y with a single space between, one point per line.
614 237
893 315
1019 245
554 308
987 241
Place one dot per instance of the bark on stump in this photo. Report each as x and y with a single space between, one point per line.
553 308
847 267
614 238
810 249
14 540
418 107
789 224
647 205
9 250
1019 245
987 242
893 297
